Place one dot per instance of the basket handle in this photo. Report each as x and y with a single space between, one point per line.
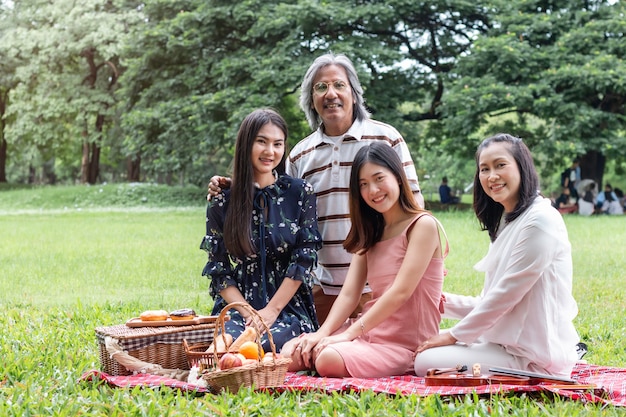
219 325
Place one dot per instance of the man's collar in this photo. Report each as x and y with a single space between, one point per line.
355 131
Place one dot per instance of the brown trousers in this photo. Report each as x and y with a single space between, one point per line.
323 303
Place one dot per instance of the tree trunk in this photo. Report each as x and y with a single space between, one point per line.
32 174
592 167
3 159
3 142
164 178
90 164
94 160
49 175
94 163
133 166
84 163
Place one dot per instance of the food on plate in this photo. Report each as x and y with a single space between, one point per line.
183 314
153 315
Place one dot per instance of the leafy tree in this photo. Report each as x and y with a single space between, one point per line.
546 69
552 72
196 68
68 54
7 82
407 52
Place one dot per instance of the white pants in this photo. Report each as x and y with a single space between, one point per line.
585 208
486 354
612 207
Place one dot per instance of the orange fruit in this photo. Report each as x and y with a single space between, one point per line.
251 350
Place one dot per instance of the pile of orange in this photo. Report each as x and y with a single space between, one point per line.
251 350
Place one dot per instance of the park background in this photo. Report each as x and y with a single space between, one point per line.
114 115
153 91
73 258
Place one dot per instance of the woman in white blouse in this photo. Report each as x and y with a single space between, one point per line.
523 317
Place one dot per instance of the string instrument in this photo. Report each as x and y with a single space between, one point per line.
498 376
457 377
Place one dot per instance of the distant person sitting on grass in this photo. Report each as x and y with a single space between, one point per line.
607 201
445 193
587 204
565 203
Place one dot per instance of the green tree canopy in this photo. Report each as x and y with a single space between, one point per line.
189 71
67 54
198 67
552 72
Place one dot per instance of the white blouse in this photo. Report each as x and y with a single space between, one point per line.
526 304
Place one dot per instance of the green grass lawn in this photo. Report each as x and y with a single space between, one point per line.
79 263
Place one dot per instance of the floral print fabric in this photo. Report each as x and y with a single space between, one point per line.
286 239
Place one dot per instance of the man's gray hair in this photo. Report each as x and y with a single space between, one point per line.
359 112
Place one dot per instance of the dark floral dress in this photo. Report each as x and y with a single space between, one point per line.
287 241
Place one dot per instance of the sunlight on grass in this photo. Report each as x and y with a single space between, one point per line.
65 273
103 257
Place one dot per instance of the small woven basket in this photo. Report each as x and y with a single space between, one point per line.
198 355
262 374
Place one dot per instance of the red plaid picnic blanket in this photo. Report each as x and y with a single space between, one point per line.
611 383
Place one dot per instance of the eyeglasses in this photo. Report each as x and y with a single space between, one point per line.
321 88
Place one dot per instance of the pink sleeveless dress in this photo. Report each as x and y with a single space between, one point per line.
388 348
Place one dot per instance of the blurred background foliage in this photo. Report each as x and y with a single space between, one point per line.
129 91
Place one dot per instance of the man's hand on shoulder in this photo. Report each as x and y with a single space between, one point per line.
216 184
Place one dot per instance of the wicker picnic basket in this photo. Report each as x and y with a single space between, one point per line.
262 374
159 345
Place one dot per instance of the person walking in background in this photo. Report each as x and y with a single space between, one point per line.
523 318
262 237
397 249
445 193
331 96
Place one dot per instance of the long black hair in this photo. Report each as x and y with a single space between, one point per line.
237 232
487 210
367 224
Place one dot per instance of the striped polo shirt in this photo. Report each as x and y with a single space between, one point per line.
325 162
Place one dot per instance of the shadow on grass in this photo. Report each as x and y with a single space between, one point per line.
438 206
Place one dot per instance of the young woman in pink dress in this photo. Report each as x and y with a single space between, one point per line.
398 253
